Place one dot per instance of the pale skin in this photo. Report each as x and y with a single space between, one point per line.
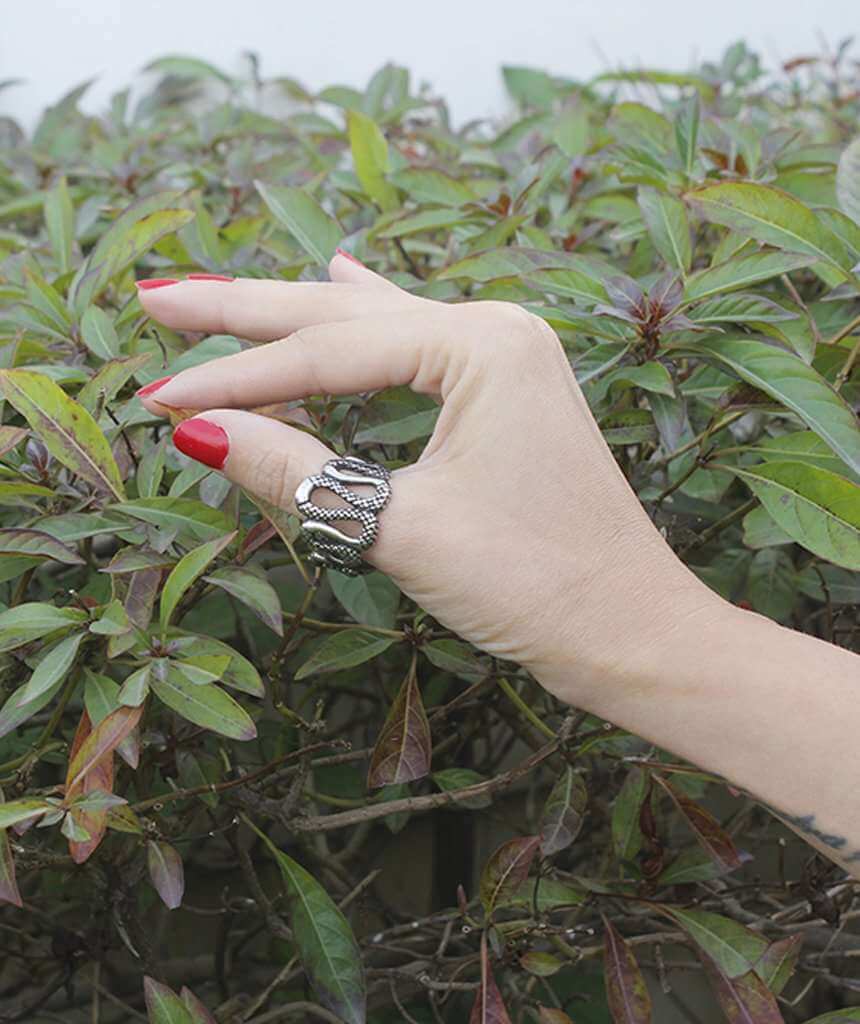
517 530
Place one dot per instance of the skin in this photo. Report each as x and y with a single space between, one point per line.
517 530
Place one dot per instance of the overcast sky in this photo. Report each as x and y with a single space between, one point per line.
457 45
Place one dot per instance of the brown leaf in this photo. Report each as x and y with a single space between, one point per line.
489 1008
104 739
165 871
746 999
506 870
626 992
404 748
707 830
99 777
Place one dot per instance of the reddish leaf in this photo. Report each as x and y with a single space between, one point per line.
707 830
199 1013
777 963
404 748
8 886
626 992
260 533
746 999
99 777
140 598
104 739
489 1007
563 813
506 870
163 1005
165 871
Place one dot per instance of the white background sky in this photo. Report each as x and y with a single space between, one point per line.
457 45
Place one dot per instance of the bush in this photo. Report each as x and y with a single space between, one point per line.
185 697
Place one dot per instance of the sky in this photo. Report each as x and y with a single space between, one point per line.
457 45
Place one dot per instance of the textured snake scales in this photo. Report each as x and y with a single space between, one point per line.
330 546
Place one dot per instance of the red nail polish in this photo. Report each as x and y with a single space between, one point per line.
348 256
204 441
210 277
156 282
153 386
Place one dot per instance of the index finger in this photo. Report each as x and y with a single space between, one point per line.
265 310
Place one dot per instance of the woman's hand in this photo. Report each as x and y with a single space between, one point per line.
515 528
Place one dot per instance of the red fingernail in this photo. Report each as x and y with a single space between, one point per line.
348 256
203 441
148 389
156 282
209 277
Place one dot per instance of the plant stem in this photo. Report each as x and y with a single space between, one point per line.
523 708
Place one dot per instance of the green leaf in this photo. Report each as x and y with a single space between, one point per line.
99 334
402 431
760 530
735 948
253 590
187 570
187 67
455 657
795 385
327 947
111 377
666 219
551 894
626 833
16 811
741 272
163 1005
771 584
16 712
128 238
626 991
53 667
848 181
815 507
134 690
199 1013
506 870
184 514
344 650
451 779
33 620
403 751
68 431
371 599
9 892
37 544
240 674
60 224
740 308
563 813
649 376
370 157
205 705
777 965
772 216
848 1016
801 446
426 185
529 86
315 231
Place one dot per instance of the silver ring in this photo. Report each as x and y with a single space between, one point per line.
330 546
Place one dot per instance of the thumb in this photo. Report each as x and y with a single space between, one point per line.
267 458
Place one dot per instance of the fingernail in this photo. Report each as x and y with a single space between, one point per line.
203 441
156 282
348 256
209 277
153 386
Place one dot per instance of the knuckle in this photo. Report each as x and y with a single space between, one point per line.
517 327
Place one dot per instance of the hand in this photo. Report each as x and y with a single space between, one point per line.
515 528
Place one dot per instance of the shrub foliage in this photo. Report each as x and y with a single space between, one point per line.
184 698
